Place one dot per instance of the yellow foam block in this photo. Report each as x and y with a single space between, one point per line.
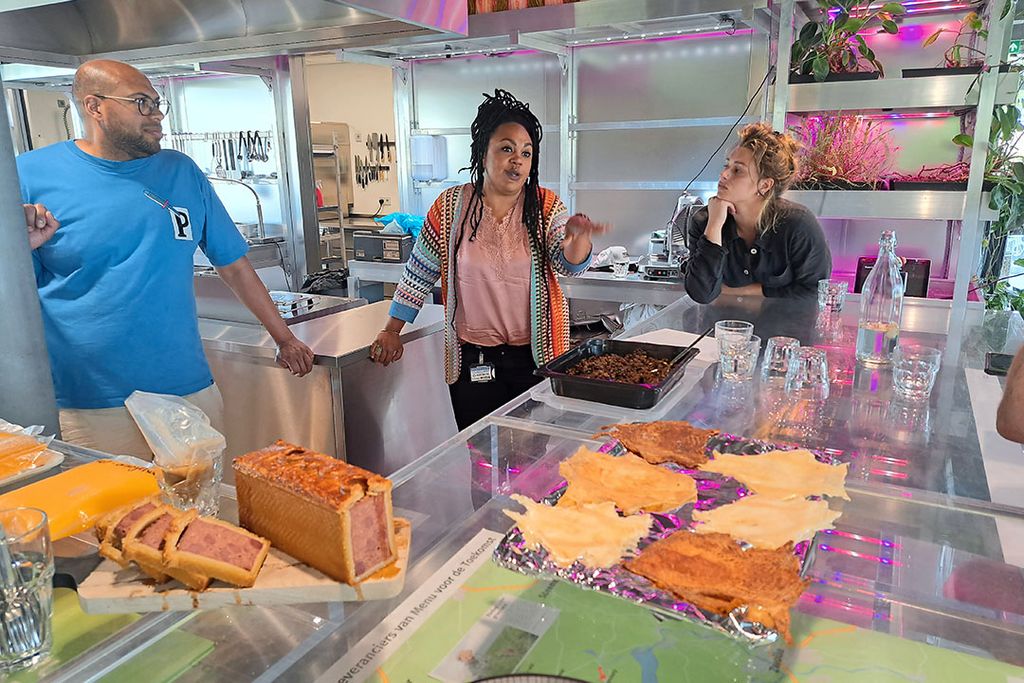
73 500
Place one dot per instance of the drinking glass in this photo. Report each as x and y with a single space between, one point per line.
808 373
777 354
914 370
832 295
620 269
26 588
738 358
732 330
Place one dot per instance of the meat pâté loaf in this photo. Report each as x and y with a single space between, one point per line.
335 517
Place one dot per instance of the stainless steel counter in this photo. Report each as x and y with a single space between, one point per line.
591 286
600 286
347 406
215 301
336 340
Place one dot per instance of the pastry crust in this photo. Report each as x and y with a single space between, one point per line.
245 547
663 441
139 547
335 517
629 482
113 528
712 572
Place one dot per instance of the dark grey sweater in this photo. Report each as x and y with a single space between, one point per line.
786 261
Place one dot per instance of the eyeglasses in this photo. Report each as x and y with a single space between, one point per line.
146 105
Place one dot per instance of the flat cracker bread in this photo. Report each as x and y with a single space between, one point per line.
712 572
663 441
782 474
594 534
628 481
766 522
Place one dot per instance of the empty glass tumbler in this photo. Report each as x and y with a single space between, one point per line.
808 374
26 588
777 354
832 295
738 357
732 330
914 371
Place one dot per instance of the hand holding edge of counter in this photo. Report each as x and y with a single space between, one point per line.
292 354
41 224
387 347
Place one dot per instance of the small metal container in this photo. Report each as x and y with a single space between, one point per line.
636 396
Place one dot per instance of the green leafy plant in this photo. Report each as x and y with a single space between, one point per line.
831 44
962 52
1004 167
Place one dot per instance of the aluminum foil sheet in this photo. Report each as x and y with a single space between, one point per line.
713 490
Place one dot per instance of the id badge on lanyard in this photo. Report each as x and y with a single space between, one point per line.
481 372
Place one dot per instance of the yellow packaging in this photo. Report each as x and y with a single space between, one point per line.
74 500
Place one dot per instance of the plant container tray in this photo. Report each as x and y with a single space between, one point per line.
935 186
948 71
836 77
622 394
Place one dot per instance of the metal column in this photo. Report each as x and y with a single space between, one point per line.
26 387
295 149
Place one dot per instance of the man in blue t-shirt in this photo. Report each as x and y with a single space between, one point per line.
113 222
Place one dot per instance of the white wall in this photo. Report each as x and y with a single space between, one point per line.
360 95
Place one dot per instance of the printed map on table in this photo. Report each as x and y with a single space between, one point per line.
500 621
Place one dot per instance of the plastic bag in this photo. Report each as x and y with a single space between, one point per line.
411 224
187 450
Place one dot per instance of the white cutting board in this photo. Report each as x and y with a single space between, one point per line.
109 589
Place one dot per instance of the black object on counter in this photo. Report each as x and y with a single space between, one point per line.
637 396
836 76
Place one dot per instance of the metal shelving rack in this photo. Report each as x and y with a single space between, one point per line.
935 93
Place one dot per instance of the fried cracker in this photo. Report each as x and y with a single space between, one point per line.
594 534
782 474
766 522
712 572
627 481
663 441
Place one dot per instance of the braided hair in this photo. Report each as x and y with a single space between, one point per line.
494 111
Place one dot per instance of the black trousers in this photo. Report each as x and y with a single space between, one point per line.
513 367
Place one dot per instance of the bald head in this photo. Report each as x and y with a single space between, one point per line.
104 76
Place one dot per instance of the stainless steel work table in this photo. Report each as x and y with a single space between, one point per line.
917 581
376 417
591 286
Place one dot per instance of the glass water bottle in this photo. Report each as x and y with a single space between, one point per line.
881 305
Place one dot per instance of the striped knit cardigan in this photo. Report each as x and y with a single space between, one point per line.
433 257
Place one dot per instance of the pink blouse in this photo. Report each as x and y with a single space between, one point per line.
492 282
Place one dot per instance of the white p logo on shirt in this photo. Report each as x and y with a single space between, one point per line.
181 222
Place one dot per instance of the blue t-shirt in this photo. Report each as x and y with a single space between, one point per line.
115 281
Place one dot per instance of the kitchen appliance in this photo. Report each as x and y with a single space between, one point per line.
667 250
916 272
382 247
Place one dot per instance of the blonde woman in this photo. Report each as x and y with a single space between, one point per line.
749 241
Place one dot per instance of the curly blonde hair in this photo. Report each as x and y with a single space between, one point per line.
775 157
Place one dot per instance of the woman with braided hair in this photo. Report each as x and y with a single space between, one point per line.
498 244
750 241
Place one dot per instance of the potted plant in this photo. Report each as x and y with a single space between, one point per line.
843 152
1004 168
830 49
963 56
